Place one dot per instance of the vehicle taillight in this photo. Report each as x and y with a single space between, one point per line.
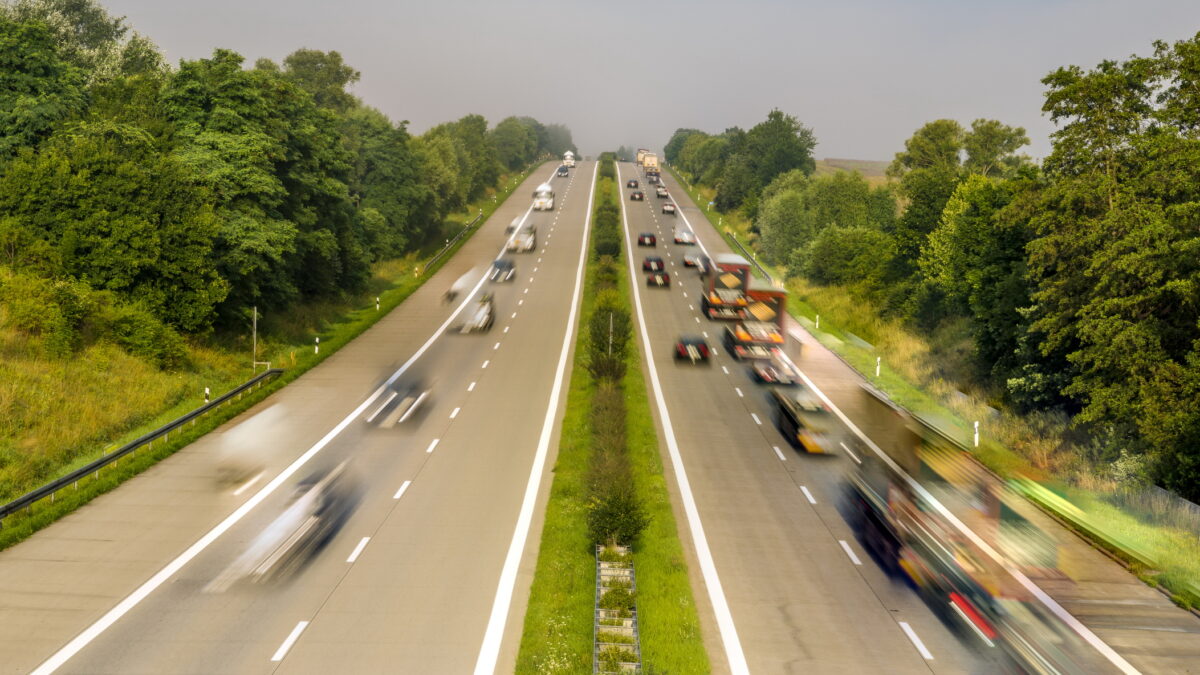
973 617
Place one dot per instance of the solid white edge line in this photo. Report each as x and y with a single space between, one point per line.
851 453
289 641
808 495
432 445
850 552
110 617
489 651
402 490
362 543
1035 590
383 405
708 568
912 635
779 453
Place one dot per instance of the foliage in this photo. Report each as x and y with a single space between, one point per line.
846 255
38 87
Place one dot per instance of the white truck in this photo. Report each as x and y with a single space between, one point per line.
543 198
569 159
650 164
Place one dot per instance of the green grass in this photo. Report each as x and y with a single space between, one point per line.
918 375
557 635
102 399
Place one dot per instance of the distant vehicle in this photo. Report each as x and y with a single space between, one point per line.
641 154
647 239
652 263
563 171
569 159
650 164
661 279
524 242
543 198
685 237
631 183
481 315
637 196
691 261
805 420
660 192
653 180
691 347
668 209
503 270
774 371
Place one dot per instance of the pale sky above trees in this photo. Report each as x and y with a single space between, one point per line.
863 74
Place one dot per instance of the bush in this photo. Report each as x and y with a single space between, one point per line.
616 514
139 333
606 274
607 170
617 598
607 242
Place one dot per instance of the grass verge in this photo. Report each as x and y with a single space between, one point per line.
557 634
1161 554
335 323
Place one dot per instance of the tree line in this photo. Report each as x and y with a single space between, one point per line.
1079 276
141 201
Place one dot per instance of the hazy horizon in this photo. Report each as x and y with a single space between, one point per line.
864 75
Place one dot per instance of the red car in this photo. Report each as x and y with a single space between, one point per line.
647 239
660 279
691 347
653 263
637 196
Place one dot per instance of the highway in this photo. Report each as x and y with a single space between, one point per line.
797 593
429 573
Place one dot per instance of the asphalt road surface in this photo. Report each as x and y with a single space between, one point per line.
796 592
428 574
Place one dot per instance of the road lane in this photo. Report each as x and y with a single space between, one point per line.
798 600
179 628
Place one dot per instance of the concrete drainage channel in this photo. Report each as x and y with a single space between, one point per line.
617 645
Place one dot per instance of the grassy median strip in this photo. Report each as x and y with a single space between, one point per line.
558 629
1159 553
336 325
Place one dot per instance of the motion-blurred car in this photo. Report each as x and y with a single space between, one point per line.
691 261
774 371
660 279
653 263
637 196
502 270
563 170
660 192
512 227
524 242
685 237
668 209
406 398
480 316
652 179
319 506
804 420
631 183
647 239
691 347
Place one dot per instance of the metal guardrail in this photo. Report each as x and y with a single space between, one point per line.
48 490
750 255
452 242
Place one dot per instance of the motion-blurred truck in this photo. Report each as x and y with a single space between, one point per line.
641 155
650 164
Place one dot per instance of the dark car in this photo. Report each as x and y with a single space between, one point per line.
647 239
637 196
669 208
631 183
692 348
502 270
653 180
653 263
660 279
563 170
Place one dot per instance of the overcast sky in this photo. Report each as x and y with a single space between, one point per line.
864 74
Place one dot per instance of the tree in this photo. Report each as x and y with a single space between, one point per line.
38 87
324 75
991 148
737 183
100 46
674 146
778 145
516 143
855 254
785 224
